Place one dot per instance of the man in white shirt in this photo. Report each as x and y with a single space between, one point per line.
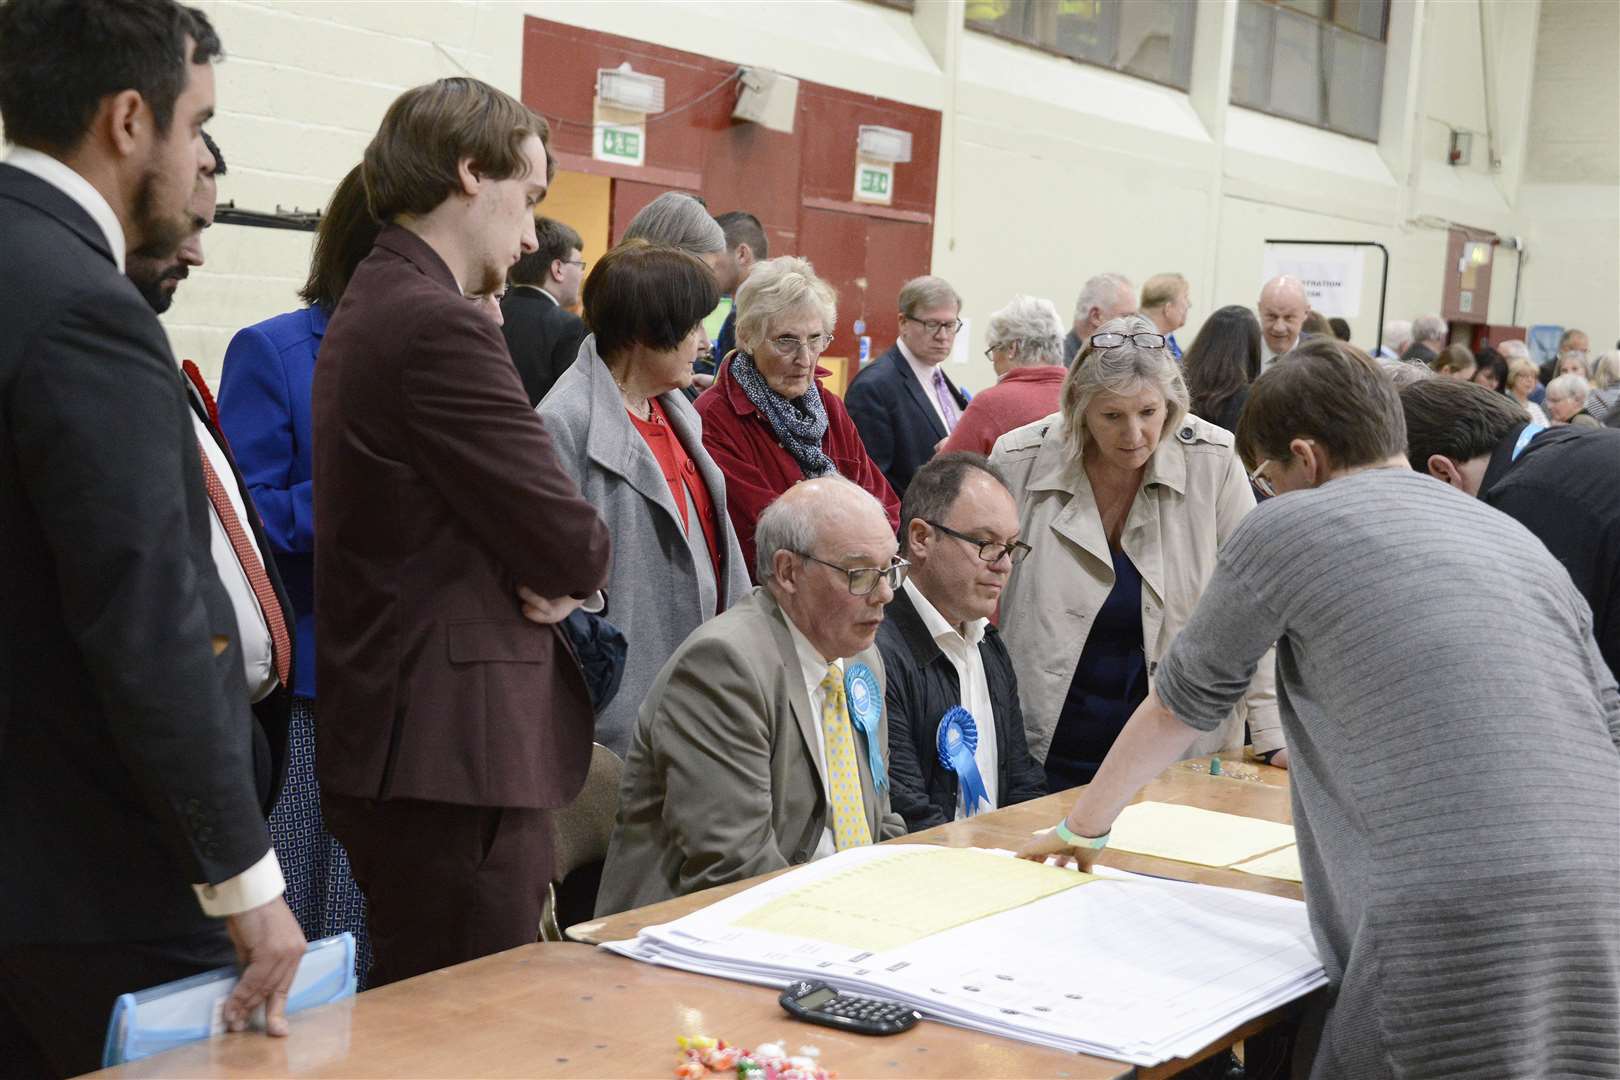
129 817
1282 309
762 744
955 724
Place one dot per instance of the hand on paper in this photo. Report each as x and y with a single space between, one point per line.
544 610
1044 843
269 946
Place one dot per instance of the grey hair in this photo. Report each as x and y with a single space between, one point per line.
1124 369
1030 324
926 293
1569 386
1514 348
1097 292
775 287
1403 373
1398 334
1428 328
675 219
795 524
1606 370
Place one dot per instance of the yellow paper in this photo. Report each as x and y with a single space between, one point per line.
887 904
1282 864
1194 835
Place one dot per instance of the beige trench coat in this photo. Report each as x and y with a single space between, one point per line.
1193 495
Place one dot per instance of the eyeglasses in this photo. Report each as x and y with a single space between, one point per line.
1261 484
1114 341
863 579
991 551
787 345
933 328
581 263
990 352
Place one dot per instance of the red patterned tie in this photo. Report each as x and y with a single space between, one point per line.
280 643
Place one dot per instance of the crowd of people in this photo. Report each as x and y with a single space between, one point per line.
326 655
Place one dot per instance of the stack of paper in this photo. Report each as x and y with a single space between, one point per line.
1195 835
1131 968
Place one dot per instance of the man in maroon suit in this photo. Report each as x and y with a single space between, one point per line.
448 546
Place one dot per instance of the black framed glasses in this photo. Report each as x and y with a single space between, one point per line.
991 551
1114 341
863 579
581 263
935 328
787 345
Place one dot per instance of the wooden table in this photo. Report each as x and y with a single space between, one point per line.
566 1010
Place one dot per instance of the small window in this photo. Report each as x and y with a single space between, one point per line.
1151 39
1320 62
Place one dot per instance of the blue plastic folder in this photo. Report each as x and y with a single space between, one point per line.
190 1010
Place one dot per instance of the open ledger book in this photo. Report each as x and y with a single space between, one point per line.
1121 966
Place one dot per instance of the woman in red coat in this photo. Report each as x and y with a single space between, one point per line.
767 421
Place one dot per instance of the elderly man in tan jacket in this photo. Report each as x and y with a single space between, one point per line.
1124 499
763 743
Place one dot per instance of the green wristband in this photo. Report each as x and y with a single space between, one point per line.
1074 840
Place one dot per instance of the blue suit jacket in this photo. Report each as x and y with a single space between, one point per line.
264 410
896 420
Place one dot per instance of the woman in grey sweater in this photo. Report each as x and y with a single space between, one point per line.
1459 827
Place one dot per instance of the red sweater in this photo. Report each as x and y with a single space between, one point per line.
1023 395
756 466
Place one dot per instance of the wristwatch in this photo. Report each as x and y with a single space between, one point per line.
1075 840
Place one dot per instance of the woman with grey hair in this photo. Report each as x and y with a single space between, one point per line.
676 219
1024 344
1566 400
1125 499
767 421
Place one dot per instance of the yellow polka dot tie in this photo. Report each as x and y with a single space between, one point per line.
843 775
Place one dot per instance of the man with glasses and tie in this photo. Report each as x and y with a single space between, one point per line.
763 742
957 728
903 404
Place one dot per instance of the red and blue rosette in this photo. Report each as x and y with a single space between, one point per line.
866 712
958 739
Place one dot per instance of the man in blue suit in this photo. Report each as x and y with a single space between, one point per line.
903 404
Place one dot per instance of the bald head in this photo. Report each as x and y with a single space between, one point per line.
1282 309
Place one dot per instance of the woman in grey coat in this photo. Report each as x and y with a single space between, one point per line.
634 445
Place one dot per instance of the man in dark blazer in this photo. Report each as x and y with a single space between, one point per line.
449 543
129 818
903 404
960 528
542 335
263 615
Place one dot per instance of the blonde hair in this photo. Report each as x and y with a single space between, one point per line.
1606 370
1124 369
1160 289
775 287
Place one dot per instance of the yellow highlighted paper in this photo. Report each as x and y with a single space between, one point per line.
1282 864
1194 835
891 903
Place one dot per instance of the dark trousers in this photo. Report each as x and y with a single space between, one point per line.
55 1000
444 883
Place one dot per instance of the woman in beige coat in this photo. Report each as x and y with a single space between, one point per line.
1124 499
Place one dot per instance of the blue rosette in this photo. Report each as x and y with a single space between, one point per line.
866 711
958 739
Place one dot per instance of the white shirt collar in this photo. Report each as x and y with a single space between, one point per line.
924 372
542 291
971 632
77 188
810 658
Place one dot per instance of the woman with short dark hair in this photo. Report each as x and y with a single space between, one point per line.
1221 363
1458 826
633 443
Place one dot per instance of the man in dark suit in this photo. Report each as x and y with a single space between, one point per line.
903 404
959 528
745 246
237 541
129 818
541 333
449 543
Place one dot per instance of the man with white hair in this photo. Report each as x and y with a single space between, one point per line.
1397 336
764 742
1282 309
1104 297
1428 338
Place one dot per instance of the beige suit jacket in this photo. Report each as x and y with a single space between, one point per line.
723 778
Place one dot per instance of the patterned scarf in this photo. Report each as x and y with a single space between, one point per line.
799 424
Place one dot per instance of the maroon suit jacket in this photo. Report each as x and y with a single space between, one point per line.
758 469
437 493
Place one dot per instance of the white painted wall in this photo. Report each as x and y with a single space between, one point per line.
1051 170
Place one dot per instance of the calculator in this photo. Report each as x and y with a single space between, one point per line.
821 1004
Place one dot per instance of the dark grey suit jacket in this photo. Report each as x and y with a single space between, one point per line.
896 420
126 747
542 338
